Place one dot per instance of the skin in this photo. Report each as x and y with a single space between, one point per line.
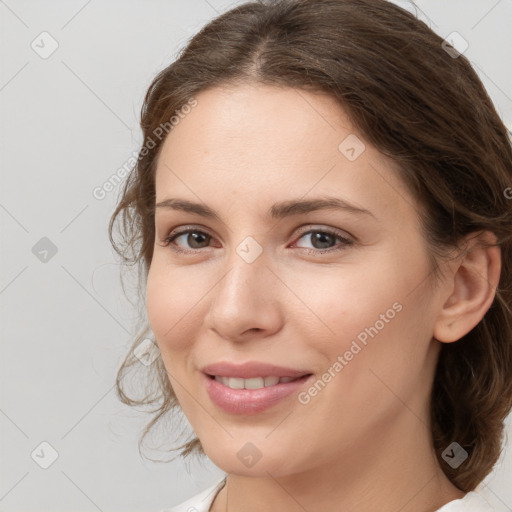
363 442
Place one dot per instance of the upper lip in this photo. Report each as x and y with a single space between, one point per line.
251 369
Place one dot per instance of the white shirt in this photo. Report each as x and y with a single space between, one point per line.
471 502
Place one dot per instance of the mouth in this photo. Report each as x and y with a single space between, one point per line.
253 395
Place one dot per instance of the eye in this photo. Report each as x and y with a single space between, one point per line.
322 240
196 239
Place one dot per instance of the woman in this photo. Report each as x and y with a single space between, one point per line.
321 219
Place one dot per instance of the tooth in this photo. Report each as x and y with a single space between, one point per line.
271 381
254 383
236 383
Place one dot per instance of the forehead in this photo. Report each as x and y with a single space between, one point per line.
257 142
255 120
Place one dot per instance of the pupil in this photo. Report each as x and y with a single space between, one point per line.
195 237
321 237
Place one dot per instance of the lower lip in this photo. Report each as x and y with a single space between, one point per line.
250 401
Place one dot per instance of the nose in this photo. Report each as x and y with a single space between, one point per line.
245 302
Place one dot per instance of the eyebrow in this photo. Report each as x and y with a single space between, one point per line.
276 211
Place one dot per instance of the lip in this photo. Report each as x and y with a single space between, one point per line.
251 369
251 401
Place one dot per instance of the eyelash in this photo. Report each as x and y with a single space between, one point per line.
168 241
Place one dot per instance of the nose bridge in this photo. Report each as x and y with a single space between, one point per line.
246 266
243 298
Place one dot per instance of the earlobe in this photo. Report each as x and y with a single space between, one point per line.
473 285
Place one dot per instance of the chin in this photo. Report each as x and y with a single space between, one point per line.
248 458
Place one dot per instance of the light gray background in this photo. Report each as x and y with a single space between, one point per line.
68 122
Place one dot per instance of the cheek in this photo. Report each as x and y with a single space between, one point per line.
157 302
372 316
170 307
342 302
383 336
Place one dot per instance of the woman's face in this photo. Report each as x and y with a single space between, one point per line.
339 293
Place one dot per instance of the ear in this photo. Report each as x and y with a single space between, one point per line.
471 285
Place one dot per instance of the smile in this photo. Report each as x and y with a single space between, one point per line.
253 395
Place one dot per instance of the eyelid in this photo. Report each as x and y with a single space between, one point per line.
335 231
183 229
302 229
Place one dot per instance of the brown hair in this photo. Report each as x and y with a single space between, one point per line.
415 103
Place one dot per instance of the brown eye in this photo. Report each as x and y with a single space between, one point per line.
324 240
194 238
